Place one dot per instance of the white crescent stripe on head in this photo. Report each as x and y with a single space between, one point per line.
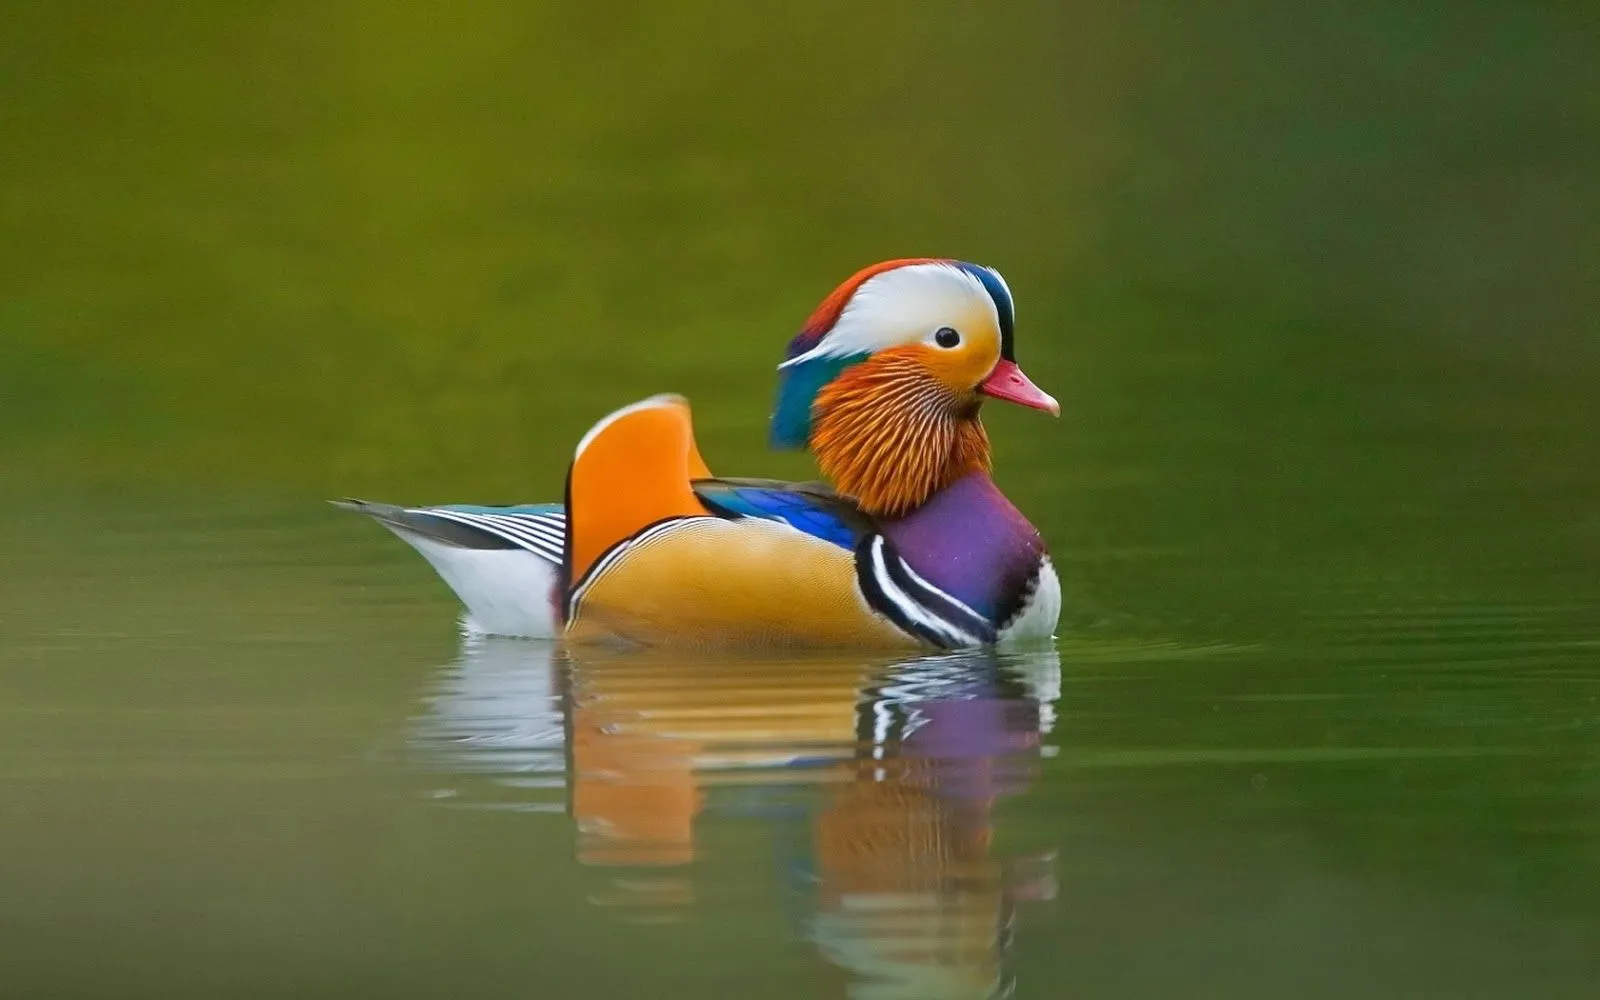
948 632
903 306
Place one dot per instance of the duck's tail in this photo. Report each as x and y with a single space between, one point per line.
633 469
501 561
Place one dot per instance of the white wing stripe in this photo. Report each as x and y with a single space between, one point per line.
954 601
527 537
550 532
551 525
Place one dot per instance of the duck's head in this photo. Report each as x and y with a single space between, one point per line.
885 380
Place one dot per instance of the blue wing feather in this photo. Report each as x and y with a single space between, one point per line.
826 517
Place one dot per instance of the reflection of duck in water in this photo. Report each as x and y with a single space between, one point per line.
910 897
881 778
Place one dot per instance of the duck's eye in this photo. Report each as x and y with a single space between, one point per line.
946 337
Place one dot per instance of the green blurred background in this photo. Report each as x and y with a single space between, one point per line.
420 246
1316 285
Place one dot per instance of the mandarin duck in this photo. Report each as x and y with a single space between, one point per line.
912 544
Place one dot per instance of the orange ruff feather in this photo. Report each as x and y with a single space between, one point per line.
891 434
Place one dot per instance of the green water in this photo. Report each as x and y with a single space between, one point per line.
1317 292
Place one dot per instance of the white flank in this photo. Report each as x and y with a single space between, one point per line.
506 591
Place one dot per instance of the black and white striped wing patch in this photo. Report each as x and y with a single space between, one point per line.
542 533
896 590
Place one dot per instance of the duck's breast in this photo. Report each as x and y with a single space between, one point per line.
972 543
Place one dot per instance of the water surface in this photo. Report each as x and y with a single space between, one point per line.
246 751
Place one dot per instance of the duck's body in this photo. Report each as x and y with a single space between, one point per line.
914 546
765 564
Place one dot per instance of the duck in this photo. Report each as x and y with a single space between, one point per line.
907 543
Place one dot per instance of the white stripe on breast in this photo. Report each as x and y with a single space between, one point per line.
909 606
919 581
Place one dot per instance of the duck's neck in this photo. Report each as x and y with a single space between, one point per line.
891 437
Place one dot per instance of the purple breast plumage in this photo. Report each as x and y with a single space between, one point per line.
969 541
